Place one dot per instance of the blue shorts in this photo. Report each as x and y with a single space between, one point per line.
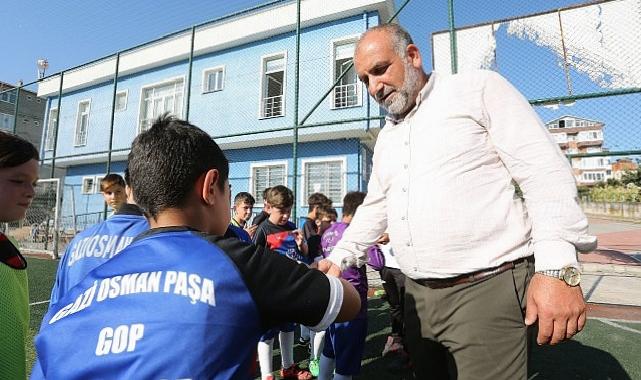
345 342
271 333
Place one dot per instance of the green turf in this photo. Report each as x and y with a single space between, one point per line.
42 274
601 351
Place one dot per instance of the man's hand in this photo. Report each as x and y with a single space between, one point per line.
560 309
328 267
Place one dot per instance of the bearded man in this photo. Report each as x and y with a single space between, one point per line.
482 264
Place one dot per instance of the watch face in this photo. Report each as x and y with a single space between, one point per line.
572 276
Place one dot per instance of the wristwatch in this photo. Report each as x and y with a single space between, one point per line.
570 275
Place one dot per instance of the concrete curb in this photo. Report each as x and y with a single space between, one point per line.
611 269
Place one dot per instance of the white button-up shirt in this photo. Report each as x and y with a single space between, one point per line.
442 185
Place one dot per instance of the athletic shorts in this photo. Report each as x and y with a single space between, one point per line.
345 342
271 333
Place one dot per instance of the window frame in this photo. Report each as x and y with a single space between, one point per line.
353 38
262 87
76 143
126 92
207 72
84 189
263 164
50 136
324 159
159 84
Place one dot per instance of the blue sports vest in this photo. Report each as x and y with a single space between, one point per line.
171 306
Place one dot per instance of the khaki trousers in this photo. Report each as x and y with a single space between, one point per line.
470 331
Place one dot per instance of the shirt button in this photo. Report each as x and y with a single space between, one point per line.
408 244
405 166
405 189
407 143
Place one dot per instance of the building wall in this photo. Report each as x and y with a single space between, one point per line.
241 161
233 110
31 111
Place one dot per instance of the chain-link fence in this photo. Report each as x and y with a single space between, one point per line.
274 83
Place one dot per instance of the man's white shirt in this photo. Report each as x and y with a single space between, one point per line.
442 186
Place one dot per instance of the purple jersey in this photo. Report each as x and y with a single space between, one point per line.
355 276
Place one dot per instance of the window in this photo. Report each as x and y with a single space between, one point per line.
52 124
214 79
347 91
561 123
29 97
82 123
8 96
97 183
273 86
121 101
266 175
88 185
160 98
6 121
324 175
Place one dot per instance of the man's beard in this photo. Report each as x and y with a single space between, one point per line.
404 97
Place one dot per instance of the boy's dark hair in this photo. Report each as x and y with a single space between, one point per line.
318 199
111 180
265 193
280 197
127 177
15 151
166 160
325 211
244 197
351 201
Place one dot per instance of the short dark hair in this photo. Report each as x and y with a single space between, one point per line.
244 197
280 197
166 161
318 199
127 178
111 179
351 201
325 211
15 151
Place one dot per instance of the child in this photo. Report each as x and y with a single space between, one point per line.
314 201
181 301
112 187
243 205
99 243
326 216
345 342
277 233
18 177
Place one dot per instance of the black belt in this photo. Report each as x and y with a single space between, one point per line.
467 278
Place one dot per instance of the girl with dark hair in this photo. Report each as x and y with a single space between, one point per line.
18 176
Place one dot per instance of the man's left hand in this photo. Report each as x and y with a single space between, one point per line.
560 309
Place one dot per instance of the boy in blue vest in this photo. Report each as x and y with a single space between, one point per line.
99 243
279 234
182 301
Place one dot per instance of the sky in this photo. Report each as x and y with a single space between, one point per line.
69 33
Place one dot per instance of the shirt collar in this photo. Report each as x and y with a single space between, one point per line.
422 95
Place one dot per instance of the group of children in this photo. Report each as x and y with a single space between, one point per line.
165 292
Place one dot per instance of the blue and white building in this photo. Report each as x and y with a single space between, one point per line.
242 81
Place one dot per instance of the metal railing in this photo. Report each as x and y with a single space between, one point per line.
272 106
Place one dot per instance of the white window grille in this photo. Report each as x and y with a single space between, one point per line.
82 123
347 91
6 121
52 125
88 185
267 175
325 176
273 86
121 101
214 79
160 98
